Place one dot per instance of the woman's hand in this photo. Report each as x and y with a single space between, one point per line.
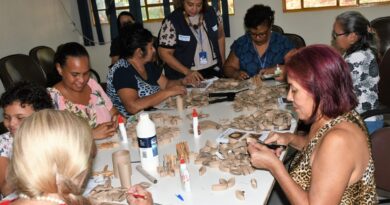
278 138
176 90
104 130
139 196
267 71
195 76
262 157
240 75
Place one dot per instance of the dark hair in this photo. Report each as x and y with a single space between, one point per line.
180 4
322 72
355 22
123 13
134 36
72 49
258 15
27 93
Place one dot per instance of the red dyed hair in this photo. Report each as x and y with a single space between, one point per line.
322 72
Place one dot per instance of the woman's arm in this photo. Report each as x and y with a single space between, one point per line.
231 68
133 104
3 171
221 42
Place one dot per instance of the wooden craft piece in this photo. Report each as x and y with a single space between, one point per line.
206 125
169 167
183 151
228 84
231 182
254 183
106 193
240 195
105 172
219 187
223 181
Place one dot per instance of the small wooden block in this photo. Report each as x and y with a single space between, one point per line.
254 183
202 170
218 187
240 195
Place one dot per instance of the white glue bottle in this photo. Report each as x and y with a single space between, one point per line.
122 130
195 123
184 176
147 142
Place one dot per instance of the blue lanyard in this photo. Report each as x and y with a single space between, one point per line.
262 63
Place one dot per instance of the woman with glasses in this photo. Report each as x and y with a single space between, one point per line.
352 37
259 49
192 41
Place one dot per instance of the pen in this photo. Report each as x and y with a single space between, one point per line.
180 197
272 145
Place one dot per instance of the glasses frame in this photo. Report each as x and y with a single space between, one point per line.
335 35
261 35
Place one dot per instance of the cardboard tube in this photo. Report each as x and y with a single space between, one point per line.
125 174
118 157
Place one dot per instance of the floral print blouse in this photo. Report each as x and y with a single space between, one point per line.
6 145
96 112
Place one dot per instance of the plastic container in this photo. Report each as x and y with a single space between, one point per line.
122 130
147 142
184 176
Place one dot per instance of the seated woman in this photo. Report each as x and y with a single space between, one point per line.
352 37
80 94
259 49
53 172
334 165
124 18
134 83
18 102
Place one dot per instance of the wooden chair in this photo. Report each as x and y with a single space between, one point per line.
297 40
20 67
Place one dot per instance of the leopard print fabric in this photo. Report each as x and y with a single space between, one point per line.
361 192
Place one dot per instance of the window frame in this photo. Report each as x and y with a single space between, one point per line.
146 6
358 4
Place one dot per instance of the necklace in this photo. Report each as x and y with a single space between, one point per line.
43 198
194 26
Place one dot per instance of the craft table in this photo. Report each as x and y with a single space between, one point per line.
166 189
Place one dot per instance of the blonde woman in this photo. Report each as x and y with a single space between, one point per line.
51 160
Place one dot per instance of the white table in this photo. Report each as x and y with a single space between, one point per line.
165 191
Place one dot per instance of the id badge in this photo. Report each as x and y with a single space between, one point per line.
203 57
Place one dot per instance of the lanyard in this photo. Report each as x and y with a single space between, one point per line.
199 33
262 63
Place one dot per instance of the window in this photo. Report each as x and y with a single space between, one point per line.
152 10
302 5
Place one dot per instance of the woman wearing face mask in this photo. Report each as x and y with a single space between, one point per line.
134 83
18 102
192 41
351 35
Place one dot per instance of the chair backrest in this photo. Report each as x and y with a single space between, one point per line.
94 75
20 67
276 28
384 81
381 27
297 40
380 140
44 56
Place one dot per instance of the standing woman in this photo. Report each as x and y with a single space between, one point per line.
352 37
192 41
80 94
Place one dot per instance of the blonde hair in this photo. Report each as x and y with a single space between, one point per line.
51 154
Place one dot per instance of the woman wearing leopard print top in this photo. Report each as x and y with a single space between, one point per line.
334 165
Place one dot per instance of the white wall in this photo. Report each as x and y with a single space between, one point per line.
26 24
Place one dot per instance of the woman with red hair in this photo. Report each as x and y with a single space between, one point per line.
334 163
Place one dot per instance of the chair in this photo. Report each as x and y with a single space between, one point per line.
276 28
20 67
297 40
384 81
380 142
381 27
44 56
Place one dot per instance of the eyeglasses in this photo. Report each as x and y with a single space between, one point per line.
255 35
335 35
